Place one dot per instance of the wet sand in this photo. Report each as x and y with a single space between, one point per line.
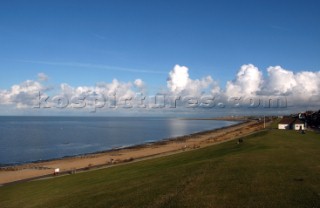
106 159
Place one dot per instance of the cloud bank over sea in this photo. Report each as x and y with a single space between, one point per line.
299 89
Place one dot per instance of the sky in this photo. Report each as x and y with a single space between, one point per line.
226 48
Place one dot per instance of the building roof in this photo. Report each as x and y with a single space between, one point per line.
297 121
290 120
287 120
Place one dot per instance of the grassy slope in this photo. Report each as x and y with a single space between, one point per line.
270 169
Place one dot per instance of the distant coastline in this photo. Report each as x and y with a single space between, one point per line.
40 139
226 118
134 146
133 153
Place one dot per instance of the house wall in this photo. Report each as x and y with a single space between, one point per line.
297 127
283 126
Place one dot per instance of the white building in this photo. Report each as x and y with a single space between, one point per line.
298 125
286 123
291 123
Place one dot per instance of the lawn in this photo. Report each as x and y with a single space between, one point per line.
273 168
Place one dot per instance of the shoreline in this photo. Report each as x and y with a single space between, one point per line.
110 158
130 146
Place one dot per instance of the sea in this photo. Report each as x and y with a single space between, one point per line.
30 139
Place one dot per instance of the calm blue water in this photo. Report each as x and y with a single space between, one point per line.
26 139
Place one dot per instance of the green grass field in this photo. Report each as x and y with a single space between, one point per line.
270 169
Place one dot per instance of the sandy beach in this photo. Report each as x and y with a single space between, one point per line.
72 165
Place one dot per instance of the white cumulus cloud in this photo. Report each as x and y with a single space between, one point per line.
280 81
179 82
300 87
139 83
23 94
248 82
42 77
178 78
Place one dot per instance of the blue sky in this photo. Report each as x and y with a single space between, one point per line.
85 42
